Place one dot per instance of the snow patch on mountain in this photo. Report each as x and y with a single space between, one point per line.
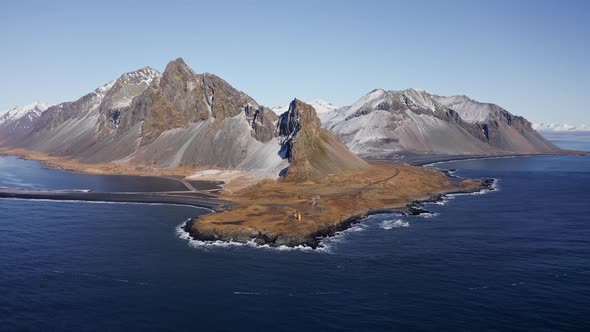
130 83
469 110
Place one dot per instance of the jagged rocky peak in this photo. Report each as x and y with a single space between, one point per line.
290 122
180 97
313 152
179 75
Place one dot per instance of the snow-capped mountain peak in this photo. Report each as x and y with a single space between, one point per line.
32 110
320 106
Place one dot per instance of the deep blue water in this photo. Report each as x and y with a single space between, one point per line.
514 259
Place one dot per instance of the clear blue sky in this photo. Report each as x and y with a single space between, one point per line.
531 57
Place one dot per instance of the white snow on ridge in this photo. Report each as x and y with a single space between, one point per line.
320 106
560 127
468 109
32 110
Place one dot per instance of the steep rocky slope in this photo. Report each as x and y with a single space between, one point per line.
313 152
501 129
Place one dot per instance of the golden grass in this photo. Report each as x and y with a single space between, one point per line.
270 206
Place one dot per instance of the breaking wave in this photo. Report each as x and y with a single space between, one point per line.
184 235
390 224
428 215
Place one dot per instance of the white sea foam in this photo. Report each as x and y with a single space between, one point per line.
390 224
495 187
247 293
356 228
428 215
184 235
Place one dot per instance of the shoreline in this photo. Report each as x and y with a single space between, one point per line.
429 160
195 200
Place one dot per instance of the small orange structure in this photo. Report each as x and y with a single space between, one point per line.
299 216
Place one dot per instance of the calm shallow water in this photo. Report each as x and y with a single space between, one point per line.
516 259
19 173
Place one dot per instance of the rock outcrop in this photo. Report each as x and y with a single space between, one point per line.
313 152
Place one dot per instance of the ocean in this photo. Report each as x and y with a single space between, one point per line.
517 258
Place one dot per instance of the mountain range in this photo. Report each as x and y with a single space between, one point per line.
182 118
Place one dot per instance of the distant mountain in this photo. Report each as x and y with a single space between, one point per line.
390 123
21 117
560 127
504 131
320 106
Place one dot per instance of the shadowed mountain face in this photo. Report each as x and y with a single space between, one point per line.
389 123
313 152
